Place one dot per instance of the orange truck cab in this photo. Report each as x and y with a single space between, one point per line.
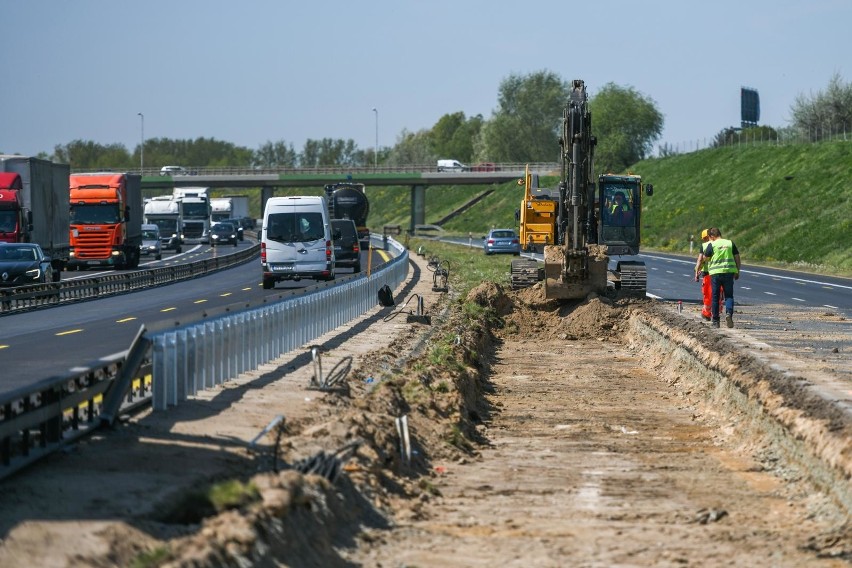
106 220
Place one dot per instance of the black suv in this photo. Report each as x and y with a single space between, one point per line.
237 223
347 250
222 233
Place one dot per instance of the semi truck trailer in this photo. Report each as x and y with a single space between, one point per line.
34 206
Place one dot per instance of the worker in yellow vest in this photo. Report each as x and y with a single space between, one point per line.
703 276
723 264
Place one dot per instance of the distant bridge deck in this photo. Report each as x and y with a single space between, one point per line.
310 177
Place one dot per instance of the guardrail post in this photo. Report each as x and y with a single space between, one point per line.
192 367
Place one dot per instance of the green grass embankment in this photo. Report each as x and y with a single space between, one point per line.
787 206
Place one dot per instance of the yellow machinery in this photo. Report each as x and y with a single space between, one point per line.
537 229
537 215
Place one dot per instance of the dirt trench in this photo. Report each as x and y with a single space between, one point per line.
596 433
623 435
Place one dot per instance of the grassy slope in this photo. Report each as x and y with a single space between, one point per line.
802 222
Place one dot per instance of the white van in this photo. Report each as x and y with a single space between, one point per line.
296 240
451 166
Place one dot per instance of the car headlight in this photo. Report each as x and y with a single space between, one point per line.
33 274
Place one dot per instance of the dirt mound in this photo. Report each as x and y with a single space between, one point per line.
595 317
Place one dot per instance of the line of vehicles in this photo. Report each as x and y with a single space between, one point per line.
71 221
63 221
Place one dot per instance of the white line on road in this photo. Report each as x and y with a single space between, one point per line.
771 293
799 299
795 279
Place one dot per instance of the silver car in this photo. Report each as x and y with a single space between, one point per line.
501 241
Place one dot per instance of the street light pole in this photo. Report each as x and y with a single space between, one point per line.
142 147
375 110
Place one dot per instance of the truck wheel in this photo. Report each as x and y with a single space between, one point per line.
357 268
158 257
268 283
178 250
235 243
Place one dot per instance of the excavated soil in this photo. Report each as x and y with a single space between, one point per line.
592 433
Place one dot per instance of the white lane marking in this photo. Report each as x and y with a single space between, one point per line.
795 279
798 299
830 306
771 293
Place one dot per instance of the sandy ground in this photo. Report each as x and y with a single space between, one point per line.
554 436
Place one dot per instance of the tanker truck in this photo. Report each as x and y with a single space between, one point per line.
34 206
106 220
347 200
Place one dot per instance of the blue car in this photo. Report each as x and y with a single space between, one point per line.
501 241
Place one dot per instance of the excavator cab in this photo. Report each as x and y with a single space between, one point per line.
619 217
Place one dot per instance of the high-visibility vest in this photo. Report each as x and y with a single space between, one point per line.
722 261
704 251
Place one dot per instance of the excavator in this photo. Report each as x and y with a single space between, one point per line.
593 220
537 228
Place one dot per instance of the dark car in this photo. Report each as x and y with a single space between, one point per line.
223 233
347 249
501 240
238 224
25 263
485 167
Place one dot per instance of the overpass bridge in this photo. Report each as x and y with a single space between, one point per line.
417 178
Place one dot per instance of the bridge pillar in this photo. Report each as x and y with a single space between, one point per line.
418 206
266 192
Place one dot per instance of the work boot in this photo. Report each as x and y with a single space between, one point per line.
715 323
729 320
706 315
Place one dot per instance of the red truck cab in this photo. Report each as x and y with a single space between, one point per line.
13 215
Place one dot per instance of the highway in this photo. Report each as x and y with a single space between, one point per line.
670 277
43 343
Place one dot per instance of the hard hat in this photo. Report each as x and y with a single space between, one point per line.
705 233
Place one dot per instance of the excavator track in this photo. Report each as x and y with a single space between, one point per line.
634 276
525 273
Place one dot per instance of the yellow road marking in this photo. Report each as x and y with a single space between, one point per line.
69 332
385 256
3 346
225 294
124 320
199 301
168 309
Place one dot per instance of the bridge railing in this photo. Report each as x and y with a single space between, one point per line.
538 167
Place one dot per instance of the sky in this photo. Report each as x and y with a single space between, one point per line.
256 71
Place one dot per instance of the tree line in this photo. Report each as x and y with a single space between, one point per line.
525 127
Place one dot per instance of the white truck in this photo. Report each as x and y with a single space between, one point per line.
165 212
196 211
230 207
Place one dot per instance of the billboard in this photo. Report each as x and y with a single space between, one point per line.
749 107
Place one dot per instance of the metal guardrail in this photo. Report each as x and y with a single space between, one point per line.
168 366
202 355
35 296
